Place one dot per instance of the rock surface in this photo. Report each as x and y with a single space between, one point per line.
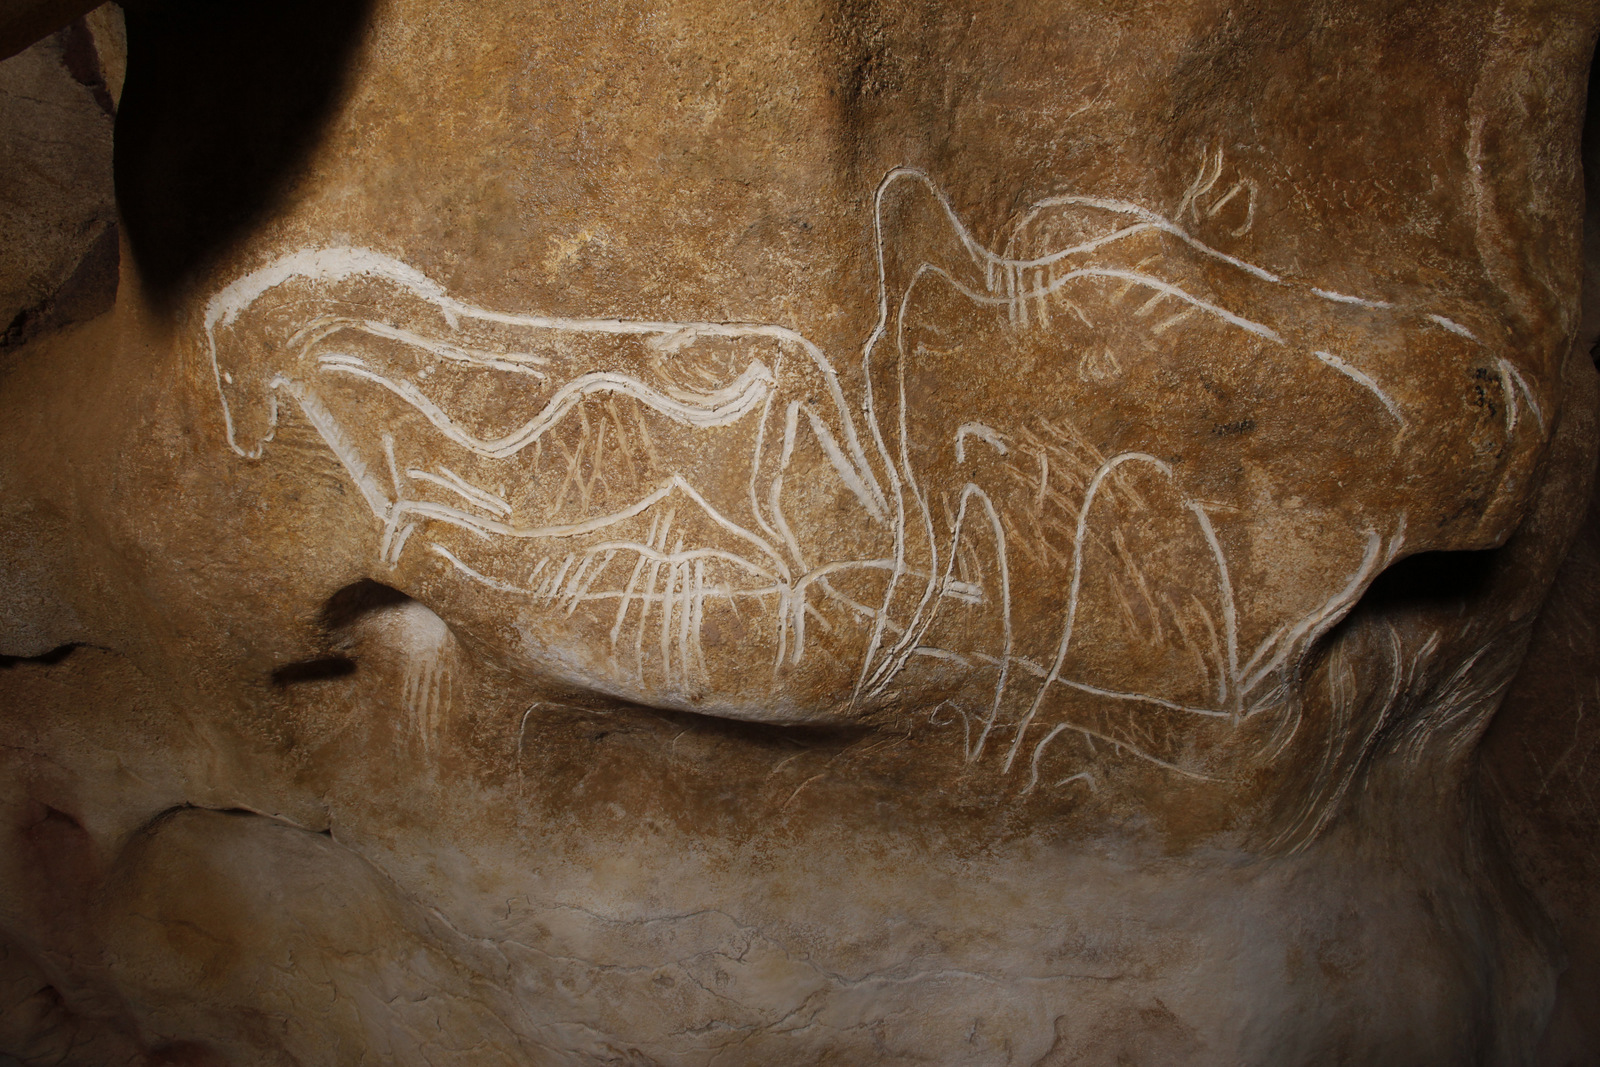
717 534
58 230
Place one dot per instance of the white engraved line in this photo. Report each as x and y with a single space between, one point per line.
896 659
1201 185
1163 289
651 552
322 328
688 559
1508 375
1343 298
1533 402
1219 204
1453 326
686 594
677 483
1100 476
1143 698
942 653
982 433
811 415
1267 644
1134 277
1039 671
1396 542
649 594
846 472
633 582
898 656
886 669
1331 611
370 488
697 618
722 408
1005 602
789 617
855 605
903 475
1365 382
668 603
879 330
578 585
387 549
551 587
1509 392
461 487
1114 743
1153 220
394 467
399 544
1149 220
755 468
817 574
477 576
334 264
698 557
1230 624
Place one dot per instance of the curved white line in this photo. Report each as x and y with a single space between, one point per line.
1365 382
981 432
724 407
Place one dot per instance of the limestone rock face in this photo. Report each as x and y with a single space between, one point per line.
58 232
738 534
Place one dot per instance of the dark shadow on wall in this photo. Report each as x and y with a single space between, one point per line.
1589 322
1540 760
222 105
1433 581
358 600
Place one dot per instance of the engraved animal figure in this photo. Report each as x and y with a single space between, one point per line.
664 497
581 464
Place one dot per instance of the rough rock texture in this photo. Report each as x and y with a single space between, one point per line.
1537 760
58 230
24 22
717 534
1540 761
